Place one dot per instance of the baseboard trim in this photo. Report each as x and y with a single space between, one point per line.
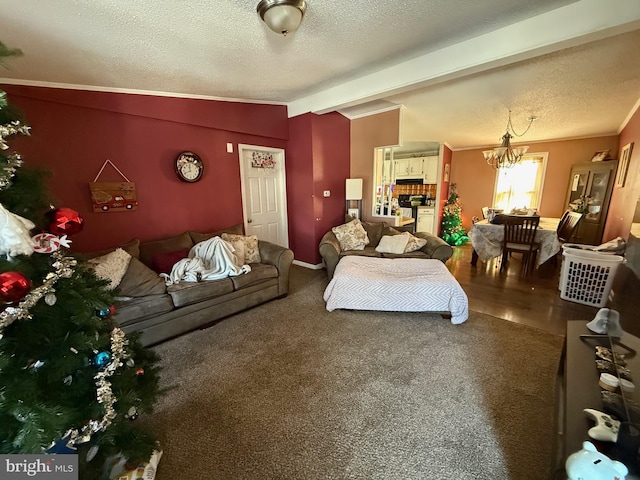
318 266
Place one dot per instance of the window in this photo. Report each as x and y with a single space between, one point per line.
521 185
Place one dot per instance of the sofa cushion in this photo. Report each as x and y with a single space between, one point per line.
258 273
139 281
130 311
111 267
413 243
246 247
132 247
392 244
387 230
374 232
367 251
163 262
201 237
186 293
238 246
149 249
351 236
416 254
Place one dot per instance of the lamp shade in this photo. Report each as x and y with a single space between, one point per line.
354 189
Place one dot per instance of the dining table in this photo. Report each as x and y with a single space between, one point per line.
487 238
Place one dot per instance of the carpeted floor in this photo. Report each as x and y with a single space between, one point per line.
288 390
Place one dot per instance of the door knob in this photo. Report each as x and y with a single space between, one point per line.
249 221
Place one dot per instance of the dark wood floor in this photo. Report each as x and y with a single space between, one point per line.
533 300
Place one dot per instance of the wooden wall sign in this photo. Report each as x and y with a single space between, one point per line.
113 196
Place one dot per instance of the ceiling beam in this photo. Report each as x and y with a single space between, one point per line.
575 24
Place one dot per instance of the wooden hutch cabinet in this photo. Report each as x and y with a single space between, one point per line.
590 186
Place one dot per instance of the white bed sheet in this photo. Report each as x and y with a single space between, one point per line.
396 284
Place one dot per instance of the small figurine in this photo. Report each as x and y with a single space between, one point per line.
589 464
606 322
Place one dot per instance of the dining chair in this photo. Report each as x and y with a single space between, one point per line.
566 229
519 237
568 225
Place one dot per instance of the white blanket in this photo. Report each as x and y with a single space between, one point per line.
208 260
396 284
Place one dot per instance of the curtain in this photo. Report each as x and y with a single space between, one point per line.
520 186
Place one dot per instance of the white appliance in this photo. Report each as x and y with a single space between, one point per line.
426 220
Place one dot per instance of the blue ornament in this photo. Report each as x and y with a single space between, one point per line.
102 359
62 446
103 312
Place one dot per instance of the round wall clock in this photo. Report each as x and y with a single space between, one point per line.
189 167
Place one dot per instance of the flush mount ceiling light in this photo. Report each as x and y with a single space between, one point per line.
506 156
282 16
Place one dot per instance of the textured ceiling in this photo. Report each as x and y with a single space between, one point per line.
585 85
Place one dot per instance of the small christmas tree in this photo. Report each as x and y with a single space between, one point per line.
70 380
452 230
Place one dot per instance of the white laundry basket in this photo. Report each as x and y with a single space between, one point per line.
587 276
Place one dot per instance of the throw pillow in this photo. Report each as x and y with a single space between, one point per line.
351 236
149 249
413 243
392 244
237 244
164 262
111 266
140 281
248 245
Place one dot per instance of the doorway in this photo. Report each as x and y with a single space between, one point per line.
264 193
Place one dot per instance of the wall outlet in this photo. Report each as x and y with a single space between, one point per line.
327 193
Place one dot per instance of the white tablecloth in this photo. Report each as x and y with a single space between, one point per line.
486 239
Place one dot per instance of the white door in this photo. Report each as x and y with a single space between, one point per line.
264 193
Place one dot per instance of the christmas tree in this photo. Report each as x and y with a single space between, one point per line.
452 230
70 380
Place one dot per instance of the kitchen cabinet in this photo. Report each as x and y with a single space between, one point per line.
418 167
431 169
426 220
589 192
402 167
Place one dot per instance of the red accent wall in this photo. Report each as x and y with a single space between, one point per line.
74 132
319 146
300 187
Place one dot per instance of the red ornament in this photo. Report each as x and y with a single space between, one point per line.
112 309
140 371
65 221
13 286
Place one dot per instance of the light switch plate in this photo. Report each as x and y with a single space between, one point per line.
229 147
327 193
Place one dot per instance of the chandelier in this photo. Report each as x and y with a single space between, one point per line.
282 16
505 155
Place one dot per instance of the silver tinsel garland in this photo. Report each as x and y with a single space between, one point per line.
14 161
64 268
12 128
104 393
